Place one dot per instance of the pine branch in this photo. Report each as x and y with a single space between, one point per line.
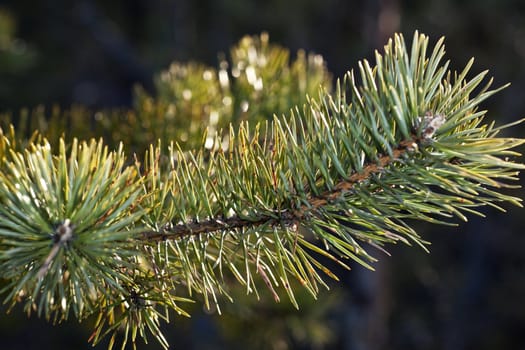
82 232
213 225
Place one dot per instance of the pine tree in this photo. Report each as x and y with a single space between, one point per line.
131 232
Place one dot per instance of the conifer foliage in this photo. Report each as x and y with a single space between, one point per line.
87 231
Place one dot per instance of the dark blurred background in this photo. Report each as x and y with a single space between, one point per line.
468 293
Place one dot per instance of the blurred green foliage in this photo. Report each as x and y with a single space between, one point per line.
192 100
258 81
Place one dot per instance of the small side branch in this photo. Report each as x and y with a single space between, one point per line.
62 236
